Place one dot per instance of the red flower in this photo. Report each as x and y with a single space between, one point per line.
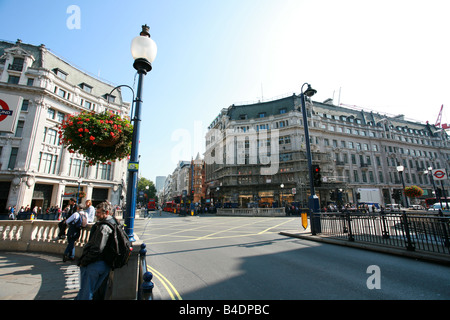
80 130
112 134
92 138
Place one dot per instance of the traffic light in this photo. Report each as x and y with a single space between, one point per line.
317 177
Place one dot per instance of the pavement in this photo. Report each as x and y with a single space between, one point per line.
43 276
37 276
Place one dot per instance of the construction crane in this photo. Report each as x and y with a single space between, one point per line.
438 123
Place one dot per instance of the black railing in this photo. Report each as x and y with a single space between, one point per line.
410 231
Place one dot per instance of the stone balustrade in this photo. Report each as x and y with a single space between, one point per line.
38 235
252 212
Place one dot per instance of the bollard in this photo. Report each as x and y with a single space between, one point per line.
147 286
145 291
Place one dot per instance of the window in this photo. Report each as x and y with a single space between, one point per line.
61 74
13 80
61 93
25 104
50 136
103 171
17 64
86 87
282 124
355 176
242 117
60 116
12 158
77 168
51 113
371 177
262 115
47 163
30 82
380 176
19 129
282 111
110 98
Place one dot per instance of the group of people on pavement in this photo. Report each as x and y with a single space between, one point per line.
93 268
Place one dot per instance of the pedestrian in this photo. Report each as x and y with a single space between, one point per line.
62 226
73 233
90 211
93 268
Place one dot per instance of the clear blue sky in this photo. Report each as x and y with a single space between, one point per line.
389 56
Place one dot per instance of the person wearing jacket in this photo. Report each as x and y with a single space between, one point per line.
93 268
73 233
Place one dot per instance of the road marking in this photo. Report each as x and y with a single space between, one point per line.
222 231
264 231
166 283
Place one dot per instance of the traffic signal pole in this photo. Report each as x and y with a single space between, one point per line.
313 201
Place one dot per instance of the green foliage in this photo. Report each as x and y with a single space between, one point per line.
151 191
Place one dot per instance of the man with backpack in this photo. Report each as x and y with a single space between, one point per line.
74 223
98 258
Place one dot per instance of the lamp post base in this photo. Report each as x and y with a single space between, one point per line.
314 207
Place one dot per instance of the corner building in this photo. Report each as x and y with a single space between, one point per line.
256 154
41 89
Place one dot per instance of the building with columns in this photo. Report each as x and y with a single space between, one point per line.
37 90
256 154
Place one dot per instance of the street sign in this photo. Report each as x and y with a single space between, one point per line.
439 174
133 166
304 220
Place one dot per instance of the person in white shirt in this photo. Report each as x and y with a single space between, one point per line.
90 211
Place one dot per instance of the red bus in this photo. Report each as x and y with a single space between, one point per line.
170 206
151 204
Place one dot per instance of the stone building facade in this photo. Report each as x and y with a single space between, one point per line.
256 153
40 89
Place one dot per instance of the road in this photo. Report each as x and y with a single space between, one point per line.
245 258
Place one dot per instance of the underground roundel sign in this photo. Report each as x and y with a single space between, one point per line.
4 111
439 174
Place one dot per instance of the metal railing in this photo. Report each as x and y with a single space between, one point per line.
413 232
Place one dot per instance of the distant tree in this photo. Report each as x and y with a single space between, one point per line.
148 193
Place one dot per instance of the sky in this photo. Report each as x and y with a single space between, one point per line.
390 56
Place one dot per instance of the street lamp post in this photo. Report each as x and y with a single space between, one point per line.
400 169
143 50
313 201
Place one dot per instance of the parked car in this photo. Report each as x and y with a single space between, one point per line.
416 207
437 206
393 208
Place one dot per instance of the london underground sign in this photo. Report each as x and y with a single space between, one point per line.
9 104
4 112
439 174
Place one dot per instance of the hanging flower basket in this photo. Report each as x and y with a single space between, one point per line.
413 191
100 137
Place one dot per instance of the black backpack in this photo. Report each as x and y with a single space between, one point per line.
118 249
